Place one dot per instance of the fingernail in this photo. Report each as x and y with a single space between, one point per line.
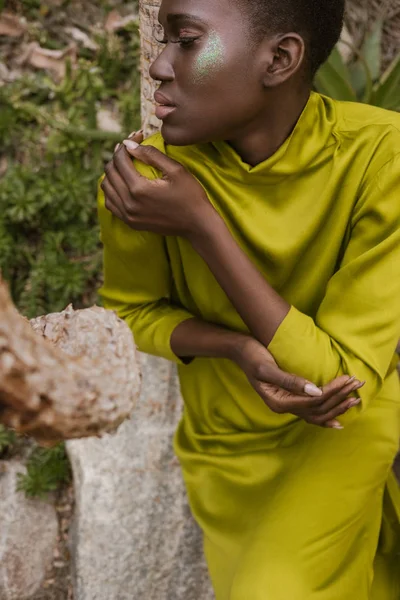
352 379
360 385
130 144
312 390
336 425
117 147
133 133
354 402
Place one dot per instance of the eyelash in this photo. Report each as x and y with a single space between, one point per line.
183 42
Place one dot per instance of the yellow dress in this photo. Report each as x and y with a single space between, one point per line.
289 511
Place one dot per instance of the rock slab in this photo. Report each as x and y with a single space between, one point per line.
28 534
133 536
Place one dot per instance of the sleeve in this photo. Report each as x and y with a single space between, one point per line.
357 326
137 281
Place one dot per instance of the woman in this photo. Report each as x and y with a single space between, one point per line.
256 242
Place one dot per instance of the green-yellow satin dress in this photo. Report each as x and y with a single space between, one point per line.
289 511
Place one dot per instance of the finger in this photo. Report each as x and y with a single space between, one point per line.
271 373
336 385
118 183
298 403
122 162
113 202
136 136
343 385
336 412
153 157
339 397
283 401
114 209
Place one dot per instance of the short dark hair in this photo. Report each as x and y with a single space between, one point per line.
319 22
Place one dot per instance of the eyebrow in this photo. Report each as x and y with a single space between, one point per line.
174 17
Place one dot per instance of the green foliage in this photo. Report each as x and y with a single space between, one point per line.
47 468
54 153
7 438
48 235
361 80
49 239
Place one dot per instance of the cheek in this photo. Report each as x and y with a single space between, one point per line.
210 61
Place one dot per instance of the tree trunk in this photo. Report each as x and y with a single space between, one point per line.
148 10
49 395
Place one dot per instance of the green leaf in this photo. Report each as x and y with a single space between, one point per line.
333 81
362 79
371 50
46 470
358 78
337 62
7 438
387 91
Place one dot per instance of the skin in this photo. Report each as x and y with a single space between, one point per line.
211 59
257 122
273 74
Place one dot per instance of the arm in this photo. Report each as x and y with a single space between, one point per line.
358 323
244 285
137 284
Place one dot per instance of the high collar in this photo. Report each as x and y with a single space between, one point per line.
305 148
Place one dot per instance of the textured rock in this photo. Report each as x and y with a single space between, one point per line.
28 533
149 50
133 536
65 375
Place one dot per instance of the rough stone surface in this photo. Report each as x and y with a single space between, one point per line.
149 50
28 534
133 536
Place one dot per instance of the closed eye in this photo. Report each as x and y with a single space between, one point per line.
184 42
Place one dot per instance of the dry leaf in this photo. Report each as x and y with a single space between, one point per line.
80 36
112 20
11 25
116 22
51 60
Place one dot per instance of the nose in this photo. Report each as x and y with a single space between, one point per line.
161 69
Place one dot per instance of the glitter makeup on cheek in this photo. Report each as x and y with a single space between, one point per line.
210 59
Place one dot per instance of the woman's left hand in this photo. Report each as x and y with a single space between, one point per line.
174 205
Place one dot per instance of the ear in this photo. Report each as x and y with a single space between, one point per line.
285 56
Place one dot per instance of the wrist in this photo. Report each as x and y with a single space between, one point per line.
209 225
237 344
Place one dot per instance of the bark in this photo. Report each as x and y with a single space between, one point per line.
148 10
65 375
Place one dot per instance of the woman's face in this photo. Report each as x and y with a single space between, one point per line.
208 72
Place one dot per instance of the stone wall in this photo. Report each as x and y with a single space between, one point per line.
133 536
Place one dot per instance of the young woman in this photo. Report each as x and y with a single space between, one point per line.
256 242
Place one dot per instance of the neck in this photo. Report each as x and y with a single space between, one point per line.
261 138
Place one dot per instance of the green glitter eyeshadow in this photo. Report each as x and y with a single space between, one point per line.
210 59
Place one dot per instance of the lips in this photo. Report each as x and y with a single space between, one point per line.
165 106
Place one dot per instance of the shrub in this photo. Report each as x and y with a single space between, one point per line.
361 78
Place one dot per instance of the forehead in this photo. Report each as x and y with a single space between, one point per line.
211 12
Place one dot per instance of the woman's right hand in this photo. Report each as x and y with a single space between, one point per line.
287 393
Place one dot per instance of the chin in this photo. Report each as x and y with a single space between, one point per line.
177 136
